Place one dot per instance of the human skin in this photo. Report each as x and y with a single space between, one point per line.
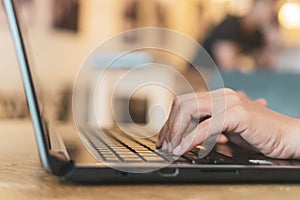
273 134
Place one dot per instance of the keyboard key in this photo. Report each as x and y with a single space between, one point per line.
119 147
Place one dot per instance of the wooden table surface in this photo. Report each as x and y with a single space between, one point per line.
22 177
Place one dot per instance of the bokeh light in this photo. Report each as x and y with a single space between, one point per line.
289 15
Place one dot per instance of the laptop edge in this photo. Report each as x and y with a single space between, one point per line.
49 158
55 159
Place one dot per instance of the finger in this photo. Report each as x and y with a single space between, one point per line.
164 132
196 106
197 136
182 108
204 130
222 139
185 110
189 109
161 136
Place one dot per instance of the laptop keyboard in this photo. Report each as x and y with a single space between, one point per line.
114 146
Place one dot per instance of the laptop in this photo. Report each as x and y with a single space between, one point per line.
118 158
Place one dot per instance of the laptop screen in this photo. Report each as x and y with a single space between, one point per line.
11 8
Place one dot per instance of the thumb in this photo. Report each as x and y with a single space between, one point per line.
203 131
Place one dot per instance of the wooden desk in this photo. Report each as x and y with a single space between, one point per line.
21 177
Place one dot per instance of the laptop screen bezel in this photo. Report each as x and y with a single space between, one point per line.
28 84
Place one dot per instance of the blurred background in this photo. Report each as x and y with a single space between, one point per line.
255 43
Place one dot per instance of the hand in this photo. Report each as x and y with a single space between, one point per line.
273 134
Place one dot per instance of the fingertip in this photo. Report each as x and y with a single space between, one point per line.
159 143
161 137
178 150
164 145
191 140
182 149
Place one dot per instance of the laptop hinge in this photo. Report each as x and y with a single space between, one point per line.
59 164
56 143
59 160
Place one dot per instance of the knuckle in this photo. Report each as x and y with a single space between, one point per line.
177 101
234 97
240 111
229 91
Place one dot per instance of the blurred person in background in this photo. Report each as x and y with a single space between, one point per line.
243 43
